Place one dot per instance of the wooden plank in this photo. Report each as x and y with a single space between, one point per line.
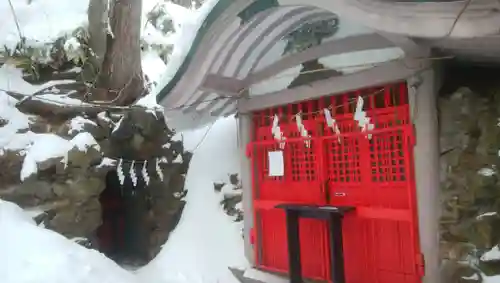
381 74
348 44
222 85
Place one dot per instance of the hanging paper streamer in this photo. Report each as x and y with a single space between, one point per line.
132 174
361 118
119 172
144 172
332 123
277 133
158 169
302 129
64 161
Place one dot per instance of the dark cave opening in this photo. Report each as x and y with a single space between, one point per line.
123 235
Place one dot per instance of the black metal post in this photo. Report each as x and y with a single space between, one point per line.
292 227
336 248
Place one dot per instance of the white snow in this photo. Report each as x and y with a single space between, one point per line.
474 276
83 141
178 159
491 255
16 121
253 273
47 146
73 49
11 79
106 161
152 65
43 147
118 124
188 23
487 172
78 123
40 22
32 254
487 214
206 241
59 99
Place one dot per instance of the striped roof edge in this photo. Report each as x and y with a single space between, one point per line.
252 9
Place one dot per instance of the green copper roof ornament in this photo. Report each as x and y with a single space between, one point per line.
255 8
310 34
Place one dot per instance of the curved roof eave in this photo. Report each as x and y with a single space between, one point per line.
430 19
250 8
424 20
415 19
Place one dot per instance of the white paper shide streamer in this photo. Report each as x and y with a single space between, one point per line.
119 172
144 172
332 123
302 129
158 169
132 174
360 116
277 133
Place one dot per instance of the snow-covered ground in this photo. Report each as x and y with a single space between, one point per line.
206 242
202 247
31 254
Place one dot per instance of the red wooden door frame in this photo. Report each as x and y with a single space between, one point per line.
394 217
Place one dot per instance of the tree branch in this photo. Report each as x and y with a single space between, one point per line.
62 75
62 111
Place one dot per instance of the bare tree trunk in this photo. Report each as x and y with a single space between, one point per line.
98 21
121 80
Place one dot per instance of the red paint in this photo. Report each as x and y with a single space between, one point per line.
252 236
374 175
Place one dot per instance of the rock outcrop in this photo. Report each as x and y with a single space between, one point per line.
65 190
470 187
232 196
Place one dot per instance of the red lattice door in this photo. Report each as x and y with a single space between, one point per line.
300 183
373 171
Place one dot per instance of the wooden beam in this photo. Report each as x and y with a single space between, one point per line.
222 85
381 74
348 44
410 46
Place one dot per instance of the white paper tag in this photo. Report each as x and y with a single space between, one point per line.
276 164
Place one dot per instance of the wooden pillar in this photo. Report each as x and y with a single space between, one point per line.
426 156
244 137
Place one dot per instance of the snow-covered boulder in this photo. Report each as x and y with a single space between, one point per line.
63 167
